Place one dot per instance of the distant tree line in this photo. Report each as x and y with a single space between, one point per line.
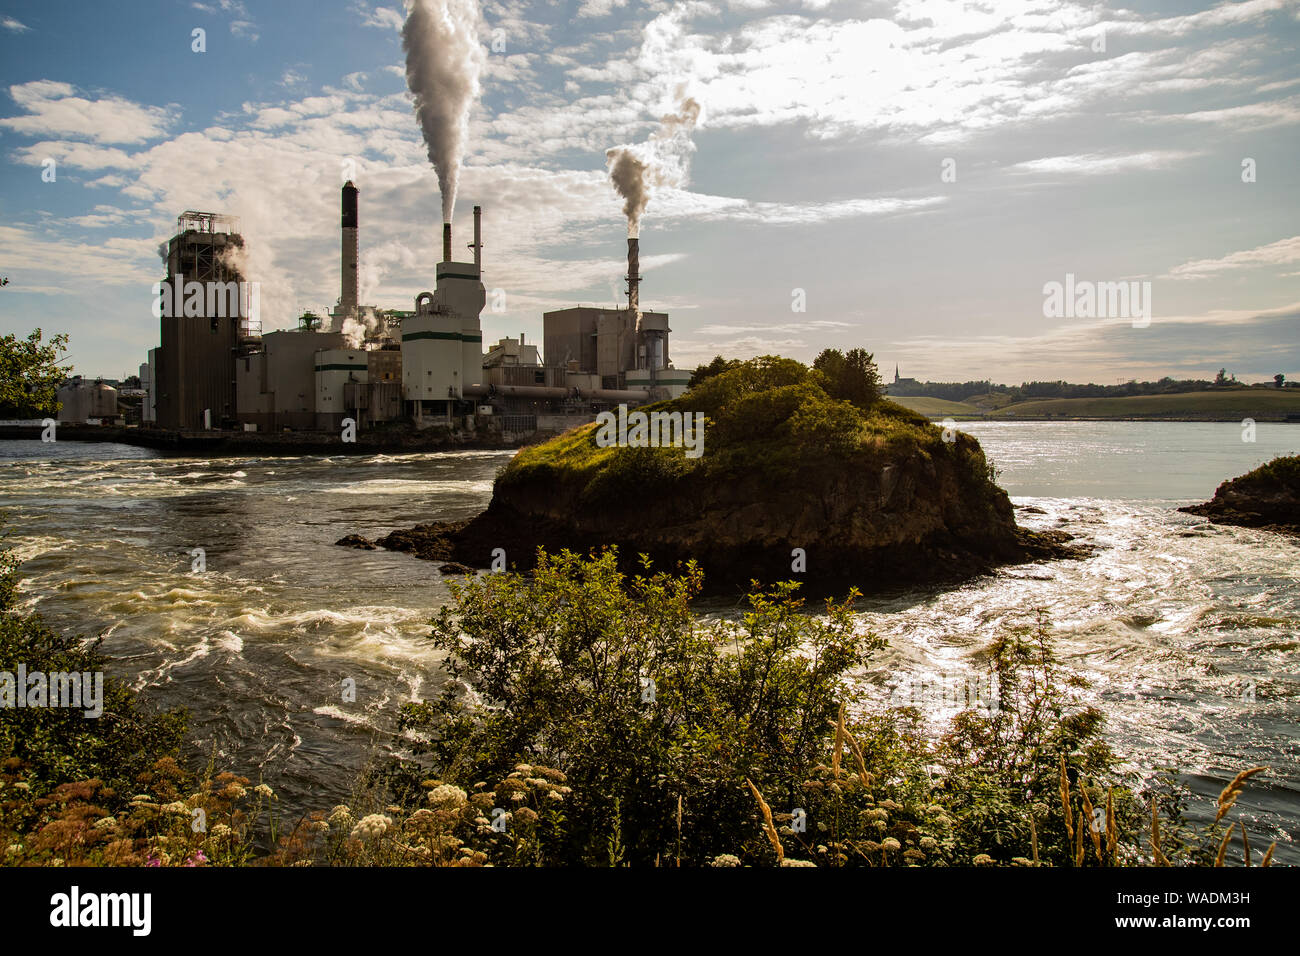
961 391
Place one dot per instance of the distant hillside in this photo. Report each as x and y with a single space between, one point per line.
1231 405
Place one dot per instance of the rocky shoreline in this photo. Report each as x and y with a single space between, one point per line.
1267 498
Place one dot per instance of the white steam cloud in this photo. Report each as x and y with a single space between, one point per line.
443 61
663 160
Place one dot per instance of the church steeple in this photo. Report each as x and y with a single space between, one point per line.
895 374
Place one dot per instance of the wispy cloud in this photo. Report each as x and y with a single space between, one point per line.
14 26
1282 252
1095 164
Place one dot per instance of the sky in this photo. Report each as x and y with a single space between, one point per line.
908 177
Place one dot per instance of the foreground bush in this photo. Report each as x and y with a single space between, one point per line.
592 719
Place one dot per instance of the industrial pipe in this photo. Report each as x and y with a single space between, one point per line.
446 242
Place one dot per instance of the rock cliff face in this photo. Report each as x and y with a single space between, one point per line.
1268 497
792 485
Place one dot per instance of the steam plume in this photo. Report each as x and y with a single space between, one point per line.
443 60
663 160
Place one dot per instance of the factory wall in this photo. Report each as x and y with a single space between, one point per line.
602 341
149 382
334 369
569 335
277 386
251 397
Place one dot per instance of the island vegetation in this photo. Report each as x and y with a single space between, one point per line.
805 471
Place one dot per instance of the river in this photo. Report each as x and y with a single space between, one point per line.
1188 632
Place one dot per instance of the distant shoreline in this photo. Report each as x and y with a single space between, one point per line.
1229 405
230 443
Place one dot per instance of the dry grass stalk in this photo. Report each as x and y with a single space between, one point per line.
1091 816
839 743
1157 856
1078 846
1233 790
679 831
1065 803
1268 856
1223 847
1033 839
1112 828
865 777
1245 844
768 826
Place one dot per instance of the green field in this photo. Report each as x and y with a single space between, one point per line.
925 405
1258 403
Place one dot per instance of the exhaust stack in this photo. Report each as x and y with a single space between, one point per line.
348 289
446 242
634 278
478 241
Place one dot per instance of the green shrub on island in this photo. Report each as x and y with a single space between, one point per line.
771 416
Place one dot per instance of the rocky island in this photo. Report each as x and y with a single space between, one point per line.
793 482
1268 498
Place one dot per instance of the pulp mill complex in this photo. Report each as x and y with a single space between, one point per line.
385 369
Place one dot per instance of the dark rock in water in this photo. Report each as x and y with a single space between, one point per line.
1266 498
356 541
1030 510
454 568
432 542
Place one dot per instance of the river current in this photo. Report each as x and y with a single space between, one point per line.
1187 632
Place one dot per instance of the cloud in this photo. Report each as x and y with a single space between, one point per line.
383 18
1093 164
1282 252
241 24
599 8
55 109
14 26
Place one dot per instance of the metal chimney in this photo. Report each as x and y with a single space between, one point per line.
348 289
446 242
478 241
634 278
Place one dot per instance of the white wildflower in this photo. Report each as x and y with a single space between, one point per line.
448 797
371 827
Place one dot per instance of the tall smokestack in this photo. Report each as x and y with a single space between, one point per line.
634 278
478 241
446 242
348 290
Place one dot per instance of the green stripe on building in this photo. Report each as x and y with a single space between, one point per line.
444 336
